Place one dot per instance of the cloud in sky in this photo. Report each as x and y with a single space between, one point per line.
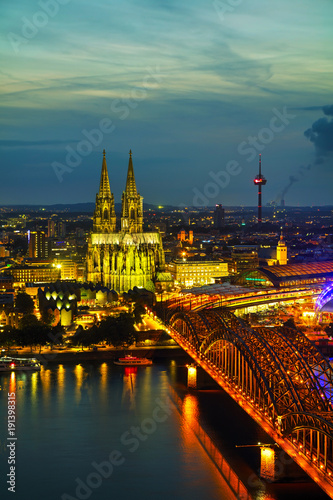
218 83
321 134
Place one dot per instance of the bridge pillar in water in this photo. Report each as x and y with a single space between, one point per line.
267 463
191 376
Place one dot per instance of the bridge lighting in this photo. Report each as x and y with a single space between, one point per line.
259 409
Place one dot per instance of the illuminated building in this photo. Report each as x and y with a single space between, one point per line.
242 258
219 216
289 275
38 245
51 228
130 257
32 274
9 317
184 236
324 302
56 229
68 269
61 229
6 282
259 181
3 251
197 272
181 235
281 252
62 298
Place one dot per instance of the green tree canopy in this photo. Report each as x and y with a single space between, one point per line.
32 332
7 337
118 331
24 303
150 286
47 317
138 312
28 321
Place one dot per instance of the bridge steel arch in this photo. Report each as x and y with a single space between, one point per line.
277 373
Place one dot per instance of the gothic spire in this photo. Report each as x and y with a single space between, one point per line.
104 187
131 203
104 220
130 189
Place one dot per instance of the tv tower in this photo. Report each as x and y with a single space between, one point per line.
259 180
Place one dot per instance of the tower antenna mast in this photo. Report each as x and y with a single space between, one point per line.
259 181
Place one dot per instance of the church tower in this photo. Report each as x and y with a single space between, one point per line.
121 260
131 204
104 220
281 252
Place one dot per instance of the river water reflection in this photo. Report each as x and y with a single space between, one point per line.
100 431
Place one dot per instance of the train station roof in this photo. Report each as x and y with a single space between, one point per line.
289 274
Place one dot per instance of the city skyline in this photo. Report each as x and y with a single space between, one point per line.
196 91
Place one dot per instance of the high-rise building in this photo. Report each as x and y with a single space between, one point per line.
219 216
38 245
61 233
130 257
50 228
56 229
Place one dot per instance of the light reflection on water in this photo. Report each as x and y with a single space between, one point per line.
61 373
70 416
128 396
189 420
104 378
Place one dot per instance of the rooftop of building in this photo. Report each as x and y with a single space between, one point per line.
198 260
222 289
289 274
299 270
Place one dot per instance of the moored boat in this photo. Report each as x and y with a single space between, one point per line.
133 361
9 364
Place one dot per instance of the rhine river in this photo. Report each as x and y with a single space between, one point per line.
100 431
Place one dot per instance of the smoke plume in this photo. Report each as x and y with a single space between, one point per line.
302 170
321 134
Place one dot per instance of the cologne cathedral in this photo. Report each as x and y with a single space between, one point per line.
125 258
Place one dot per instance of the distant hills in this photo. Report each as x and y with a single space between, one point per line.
90 207
75 207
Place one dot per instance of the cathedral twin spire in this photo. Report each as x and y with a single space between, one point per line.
131 204
104 220
104 186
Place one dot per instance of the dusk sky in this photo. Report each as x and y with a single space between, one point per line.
196 89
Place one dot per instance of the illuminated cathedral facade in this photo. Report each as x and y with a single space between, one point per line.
122 259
